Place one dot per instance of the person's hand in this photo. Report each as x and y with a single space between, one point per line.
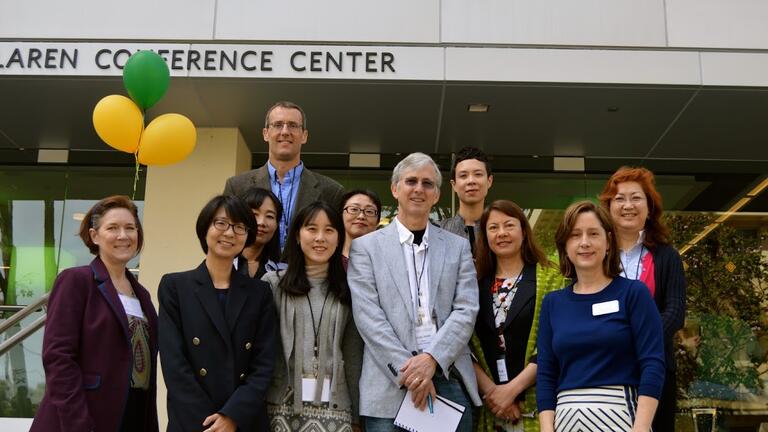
419 396
489 401
417 371
512 413
502 399
219 423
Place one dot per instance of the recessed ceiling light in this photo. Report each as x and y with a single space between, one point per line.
478 107
612 109
78 216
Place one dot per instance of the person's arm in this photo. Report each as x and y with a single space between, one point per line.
646 408
453 336
484 383
61 350
371 320
251 394
548 370
187 400
352 352
673 306
649 345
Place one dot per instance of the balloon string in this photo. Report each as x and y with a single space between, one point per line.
136 157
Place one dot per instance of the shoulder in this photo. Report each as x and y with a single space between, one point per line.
254 287
634 290
272 278
323 181
74 279
664 253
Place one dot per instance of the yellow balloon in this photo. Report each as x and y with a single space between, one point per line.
168 139
118 122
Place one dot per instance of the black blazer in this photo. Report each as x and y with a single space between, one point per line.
216 361
669 276
517 327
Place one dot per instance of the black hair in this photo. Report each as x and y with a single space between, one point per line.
295 282
254 197
367 192
471 153
237 211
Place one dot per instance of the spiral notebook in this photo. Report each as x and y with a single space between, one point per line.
446 417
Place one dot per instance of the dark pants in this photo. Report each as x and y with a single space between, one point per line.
451 389
134 418
665 413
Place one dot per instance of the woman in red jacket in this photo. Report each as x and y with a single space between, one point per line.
100 343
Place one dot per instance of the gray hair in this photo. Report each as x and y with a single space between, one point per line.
416 161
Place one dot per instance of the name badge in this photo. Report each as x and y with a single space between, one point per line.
308 386
605 308
424 334
501 367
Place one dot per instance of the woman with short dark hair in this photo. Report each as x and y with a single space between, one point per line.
217 330
361 213
315 386
264 253
100 342
601 355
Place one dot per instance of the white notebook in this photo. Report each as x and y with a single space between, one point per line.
446 417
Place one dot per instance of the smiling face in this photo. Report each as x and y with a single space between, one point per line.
416 192
286 139
472 181
318 239
359 225
224 244
117 236
266 220
504 234
629 207
587 243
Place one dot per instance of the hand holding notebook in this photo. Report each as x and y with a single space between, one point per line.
445 418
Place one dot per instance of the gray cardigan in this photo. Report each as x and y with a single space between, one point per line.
346 350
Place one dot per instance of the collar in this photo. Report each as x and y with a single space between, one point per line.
639 243
289 175
405 236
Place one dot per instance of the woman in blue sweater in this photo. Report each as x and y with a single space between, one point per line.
601 352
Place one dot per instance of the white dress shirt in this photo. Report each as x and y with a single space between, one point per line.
417 264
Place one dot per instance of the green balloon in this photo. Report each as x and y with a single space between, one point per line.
146 78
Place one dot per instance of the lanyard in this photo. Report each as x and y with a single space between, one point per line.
316 330
287 210
418 276
637 266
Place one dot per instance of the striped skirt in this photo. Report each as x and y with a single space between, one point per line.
608 408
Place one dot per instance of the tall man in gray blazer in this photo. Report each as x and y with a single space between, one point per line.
285 130
414 300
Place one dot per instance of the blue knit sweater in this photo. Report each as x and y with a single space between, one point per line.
578 349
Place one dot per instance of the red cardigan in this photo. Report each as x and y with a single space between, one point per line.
87 354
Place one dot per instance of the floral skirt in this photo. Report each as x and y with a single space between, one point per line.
313 418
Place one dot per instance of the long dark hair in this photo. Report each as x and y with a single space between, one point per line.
294 281
530 251
255 197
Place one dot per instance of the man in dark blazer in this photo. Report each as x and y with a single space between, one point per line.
285 130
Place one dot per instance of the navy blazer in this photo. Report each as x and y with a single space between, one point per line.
87 354
214 360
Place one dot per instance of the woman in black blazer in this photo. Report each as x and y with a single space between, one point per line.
217 331
513 276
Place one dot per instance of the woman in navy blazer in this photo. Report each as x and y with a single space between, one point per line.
100 343
217 330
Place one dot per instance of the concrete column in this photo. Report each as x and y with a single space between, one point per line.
173 197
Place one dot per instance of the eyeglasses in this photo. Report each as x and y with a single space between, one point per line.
292 126
223 226
413 182
355 211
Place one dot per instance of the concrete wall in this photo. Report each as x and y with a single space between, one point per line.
722 24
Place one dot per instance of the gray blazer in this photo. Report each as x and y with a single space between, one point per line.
312 187
383 312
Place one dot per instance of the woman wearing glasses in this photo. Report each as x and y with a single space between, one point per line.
217 330
361 211
264 254
631 198
315 385
513 276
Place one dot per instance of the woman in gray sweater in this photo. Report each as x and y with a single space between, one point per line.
315 383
